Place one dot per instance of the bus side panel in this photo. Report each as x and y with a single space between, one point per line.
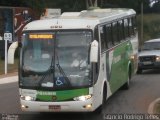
105 65
117 65
98 87
114 66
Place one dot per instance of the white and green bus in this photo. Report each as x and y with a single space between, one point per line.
75 62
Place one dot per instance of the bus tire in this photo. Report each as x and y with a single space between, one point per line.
99 110
127 84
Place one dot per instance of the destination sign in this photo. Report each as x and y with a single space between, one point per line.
41 36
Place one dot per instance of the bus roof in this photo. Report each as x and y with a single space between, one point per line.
86 19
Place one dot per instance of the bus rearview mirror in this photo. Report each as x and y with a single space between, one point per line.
11 52
94 52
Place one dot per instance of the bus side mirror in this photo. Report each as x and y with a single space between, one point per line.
94 52
11 52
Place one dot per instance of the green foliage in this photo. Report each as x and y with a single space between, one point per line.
37 5
134 4
9 3
66 5
76 5
156 7
151 26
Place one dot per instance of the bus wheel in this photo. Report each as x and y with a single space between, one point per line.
127 84
99 110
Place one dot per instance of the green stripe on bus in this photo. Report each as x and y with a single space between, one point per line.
63 95
118 74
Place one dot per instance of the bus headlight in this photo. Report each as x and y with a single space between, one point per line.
158 58
82 98
27 98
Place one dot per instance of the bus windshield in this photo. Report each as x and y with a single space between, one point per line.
55 60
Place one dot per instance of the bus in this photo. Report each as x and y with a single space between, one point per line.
75 62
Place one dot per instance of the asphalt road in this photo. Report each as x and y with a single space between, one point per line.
143 90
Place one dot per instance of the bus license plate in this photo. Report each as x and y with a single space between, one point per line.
54 107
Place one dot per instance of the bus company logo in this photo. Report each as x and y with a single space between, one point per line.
54 98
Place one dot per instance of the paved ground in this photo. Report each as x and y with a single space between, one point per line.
12 77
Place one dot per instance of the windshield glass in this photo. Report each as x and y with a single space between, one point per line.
151 46
55 60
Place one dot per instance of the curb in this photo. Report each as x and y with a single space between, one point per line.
10 79
151 108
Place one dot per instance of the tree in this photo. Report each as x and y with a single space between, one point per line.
36 5
10 2
134 4
77 5
156 7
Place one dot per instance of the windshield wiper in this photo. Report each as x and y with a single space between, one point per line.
51 70
62 72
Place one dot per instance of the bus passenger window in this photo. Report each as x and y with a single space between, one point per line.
96 33
115 32
120 30
134 25
103 38
126 29
131 32
109 36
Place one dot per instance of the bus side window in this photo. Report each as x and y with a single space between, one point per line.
126 28
96 34
109 35
115 32
134 25
103 38
120 30
131 32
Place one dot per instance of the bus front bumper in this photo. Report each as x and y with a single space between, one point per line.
69 106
